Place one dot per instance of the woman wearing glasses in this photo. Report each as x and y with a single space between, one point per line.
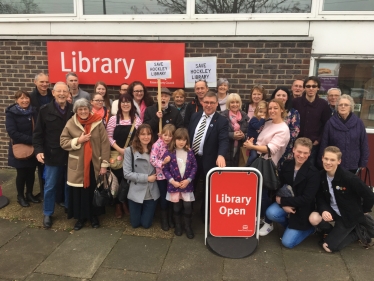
257 94
118 129
141 97
97 102
346 131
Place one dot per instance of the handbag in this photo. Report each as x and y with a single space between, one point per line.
243 156
111 182
102 196
366 179
116 159
124 187
23 151
270 177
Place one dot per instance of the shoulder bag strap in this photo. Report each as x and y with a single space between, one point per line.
269 152
130 133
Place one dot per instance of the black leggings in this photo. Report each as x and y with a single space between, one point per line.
25 176
187 207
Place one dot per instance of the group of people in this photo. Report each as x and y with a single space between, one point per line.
73 134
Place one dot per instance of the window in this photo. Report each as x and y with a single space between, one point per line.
353 77
36 6
254 6
131 7
348 5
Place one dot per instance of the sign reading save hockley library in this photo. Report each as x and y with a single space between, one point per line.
233 203
114 62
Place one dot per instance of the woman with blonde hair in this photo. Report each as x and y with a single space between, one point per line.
238 125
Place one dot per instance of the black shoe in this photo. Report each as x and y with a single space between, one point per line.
32 198
47 221
164 220
22 201
79 224
95 222
39 196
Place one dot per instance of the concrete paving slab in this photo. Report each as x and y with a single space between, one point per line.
81 254
266 263
9 229
7 174
189 259
138 254
48 277
359 261
27 250
315 266
105 274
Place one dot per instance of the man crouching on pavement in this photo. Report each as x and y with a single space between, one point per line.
343 198
296 199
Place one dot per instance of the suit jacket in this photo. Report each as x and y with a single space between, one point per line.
305 187
216 138
353 197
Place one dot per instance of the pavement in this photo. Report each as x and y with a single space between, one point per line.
117 252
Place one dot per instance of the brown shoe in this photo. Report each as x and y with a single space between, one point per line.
126 208
118 212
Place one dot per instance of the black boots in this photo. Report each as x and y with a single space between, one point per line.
32 198
22 201
178 224
170 216
187 226
164 220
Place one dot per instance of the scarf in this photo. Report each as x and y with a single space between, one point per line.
100 112
87 147
234 119
140 109
222 102
24 111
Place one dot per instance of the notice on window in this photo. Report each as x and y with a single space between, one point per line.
158 69
328 73
201 68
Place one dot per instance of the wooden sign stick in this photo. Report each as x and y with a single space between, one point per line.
159 105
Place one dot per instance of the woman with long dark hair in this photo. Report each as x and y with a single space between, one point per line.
141 97
118 129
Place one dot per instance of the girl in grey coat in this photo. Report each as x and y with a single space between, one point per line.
143 193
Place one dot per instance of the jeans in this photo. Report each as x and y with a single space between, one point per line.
162 187
339 236
253 155
54 176
291 237
141 214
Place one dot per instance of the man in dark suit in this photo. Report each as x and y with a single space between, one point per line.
209 136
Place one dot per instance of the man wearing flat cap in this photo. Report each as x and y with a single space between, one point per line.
168 114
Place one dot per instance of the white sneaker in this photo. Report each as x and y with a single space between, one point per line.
266 229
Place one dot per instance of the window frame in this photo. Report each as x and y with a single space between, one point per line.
340 13
313 66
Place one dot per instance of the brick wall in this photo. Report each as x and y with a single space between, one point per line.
242 63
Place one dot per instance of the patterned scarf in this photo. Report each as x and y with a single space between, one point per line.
234 119
87 147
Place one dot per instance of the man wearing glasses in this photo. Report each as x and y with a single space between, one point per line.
122 90
333 95
51 121
208 131
314 113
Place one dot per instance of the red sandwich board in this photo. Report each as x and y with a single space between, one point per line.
232 209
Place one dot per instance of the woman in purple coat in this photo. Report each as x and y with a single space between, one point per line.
346 131
180 172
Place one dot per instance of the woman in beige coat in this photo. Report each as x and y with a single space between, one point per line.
85 137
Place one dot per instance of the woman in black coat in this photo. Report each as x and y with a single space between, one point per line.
20 119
